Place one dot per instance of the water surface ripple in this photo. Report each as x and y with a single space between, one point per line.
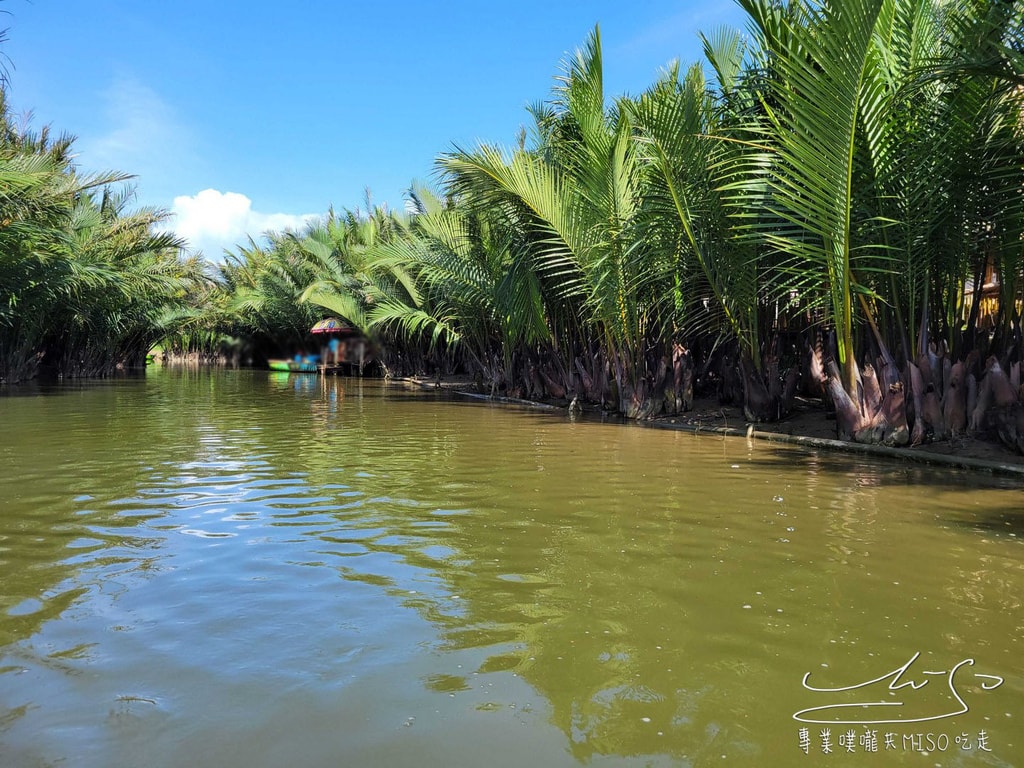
243 569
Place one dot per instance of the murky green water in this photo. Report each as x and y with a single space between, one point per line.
246 569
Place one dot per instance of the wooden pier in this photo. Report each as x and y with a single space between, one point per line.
340 369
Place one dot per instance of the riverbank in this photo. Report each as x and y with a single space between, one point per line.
807 425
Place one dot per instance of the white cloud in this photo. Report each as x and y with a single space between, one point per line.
145 136
212 221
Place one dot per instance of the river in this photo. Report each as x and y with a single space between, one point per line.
251 569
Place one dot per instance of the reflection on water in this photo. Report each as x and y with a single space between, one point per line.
251 569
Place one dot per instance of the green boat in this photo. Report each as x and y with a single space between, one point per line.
293 366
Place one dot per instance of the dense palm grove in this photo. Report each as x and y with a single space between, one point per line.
87 285
813 209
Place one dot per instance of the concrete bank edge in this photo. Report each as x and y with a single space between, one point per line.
903 454
881 451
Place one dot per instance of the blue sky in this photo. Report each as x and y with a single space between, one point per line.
246 116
